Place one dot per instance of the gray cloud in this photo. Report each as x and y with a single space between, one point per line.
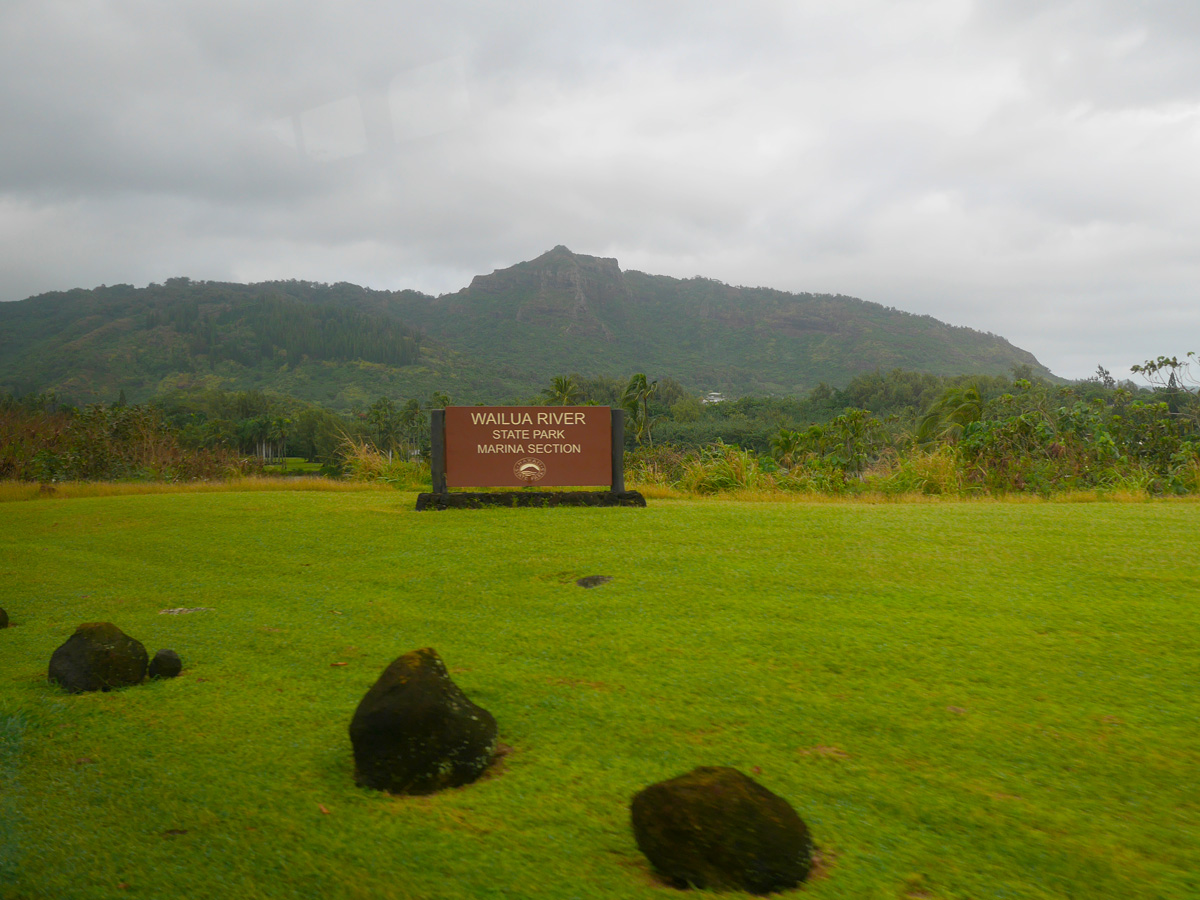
1021 167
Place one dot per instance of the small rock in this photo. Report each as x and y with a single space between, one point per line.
3 619
415 731
591 581
717 829
99 656
166 664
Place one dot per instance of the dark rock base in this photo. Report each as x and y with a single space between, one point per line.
717 829
468 500
416 732
99 656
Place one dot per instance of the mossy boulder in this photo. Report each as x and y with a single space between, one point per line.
415 731
717 829
99 656
166 664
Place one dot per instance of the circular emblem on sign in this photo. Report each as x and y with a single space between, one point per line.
530 469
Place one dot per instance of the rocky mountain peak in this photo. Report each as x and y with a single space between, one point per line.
575 294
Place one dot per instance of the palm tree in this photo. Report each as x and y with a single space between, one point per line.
412 420
385 424
252 433
277 432
563 391
949 416
785 446
636 401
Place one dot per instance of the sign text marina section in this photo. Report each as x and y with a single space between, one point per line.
523 446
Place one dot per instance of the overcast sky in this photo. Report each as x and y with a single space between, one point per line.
1022 167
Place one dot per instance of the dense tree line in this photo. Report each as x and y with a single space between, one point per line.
914 433
896 431
41 441
662 411
200 435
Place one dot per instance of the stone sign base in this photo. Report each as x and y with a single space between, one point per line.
466 500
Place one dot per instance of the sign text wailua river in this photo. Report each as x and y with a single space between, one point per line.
528 447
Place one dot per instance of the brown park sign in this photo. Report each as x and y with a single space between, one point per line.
521 446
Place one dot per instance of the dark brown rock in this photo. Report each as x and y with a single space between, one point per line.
718 829
591 581
166 664
415 731
3 619
99 656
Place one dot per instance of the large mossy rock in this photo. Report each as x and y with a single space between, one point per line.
718 829
415 731
99 656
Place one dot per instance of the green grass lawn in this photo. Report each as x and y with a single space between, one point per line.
293 465
983 700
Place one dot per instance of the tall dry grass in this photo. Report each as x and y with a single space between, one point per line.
11 491
364 462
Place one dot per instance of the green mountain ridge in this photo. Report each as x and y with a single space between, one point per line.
501 338
567 312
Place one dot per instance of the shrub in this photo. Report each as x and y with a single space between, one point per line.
724 468
937 471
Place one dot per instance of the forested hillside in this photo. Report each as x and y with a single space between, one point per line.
499 340
335 344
